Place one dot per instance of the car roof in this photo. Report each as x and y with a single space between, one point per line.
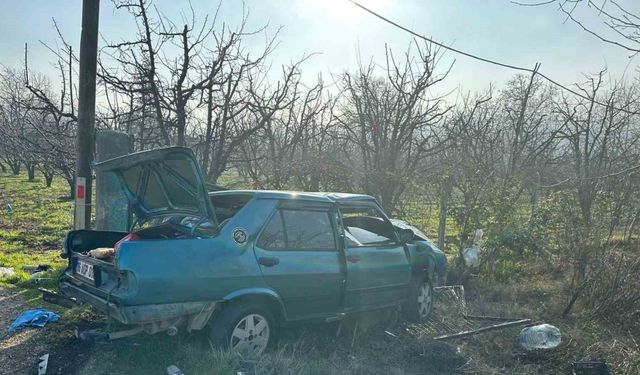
298 195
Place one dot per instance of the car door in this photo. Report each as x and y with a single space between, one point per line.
298 254
378 266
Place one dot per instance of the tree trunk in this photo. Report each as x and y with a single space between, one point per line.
180 127
31 171
48 178
444 202
72 188
314 183
15 167
209 132
535 197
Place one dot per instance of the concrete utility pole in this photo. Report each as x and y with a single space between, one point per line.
86 111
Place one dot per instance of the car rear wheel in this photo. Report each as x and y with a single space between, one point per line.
247 329
420 302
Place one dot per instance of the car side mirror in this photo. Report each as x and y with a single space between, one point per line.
405 235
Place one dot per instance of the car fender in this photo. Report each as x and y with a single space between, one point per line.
423 262
269 295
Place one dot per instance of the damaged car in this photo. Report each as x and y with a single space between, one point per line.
242 263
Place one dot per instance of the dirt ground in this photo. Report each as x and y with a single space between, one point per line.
20 351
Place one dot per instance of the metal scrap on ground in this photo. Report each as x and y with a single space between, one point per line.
452 320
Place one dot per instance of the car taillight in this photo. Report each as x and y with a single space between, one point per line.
128 237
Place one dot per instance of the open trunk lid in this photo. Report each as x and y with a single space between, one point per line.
161 182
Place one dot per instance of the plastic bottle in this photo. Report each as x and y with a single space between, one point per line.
542 336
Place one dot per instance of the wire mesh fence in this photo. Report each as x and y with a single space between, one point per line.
452 317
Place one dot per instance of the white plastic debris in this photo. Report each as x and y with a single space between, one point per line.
7 272
43 362
542 336
174 370
471 255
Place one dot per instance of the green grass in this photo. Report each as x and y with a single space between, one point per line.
32 234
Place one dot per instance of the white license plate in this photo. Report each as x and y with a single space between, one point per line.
84 269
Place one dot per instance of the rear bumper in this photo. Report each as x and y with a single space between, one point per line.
109 308
142 314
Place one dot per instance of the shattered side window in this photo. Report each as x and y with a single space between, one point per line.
366 226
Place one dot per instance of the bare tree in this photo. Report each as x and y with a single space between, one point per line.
393 121
55 122
621 24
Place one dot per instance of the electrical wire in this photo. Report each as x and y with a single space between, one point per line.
486 60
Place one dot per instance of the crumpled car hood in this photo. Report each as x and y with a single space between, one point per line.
421 239
161 182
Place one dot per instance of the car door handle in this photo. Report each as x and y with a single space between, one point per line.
268 261
353 258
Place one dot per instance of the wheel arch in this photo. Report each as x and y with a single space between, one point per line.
263 296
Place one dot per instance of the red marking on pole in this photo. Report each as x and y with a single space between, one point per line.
80 192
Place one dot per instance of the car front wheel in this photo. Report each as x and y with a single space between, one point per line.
420 302
246 329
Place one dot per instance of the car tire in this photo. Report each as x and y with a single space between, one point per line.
246 328
420 303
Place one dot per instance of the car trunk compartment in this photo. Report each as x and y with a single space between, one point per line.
98 275
82 241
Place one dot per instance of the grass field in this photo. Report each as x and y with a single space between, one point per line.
33 234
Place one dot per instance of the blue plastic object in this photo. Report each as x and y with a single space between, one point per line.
33 318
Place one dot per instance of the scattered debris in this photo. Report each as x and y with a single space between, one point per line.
33 318
590 368
391 334
102 252
7 272
39 276
542 336
483 329
97 336
471 255
452 319
57 299
246 368
174 370
443 357
38 268
43 362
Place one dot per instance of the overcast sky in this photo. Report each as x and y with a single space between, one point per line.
336 30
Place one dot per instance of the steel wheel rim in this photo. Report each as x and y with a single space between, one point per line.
250 336
425 300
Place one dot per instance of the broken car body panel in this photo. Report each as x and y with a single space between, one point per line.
170 273
424 247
